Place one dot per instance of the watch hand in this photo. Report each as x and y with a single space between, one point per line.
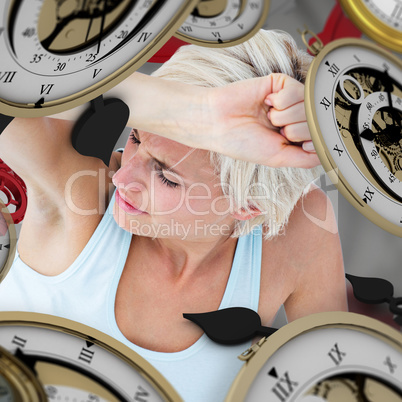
388 89
231 326
102 25
367 134
90 21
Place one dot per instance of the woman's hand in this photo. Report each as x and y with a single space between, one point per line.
260 120
263 120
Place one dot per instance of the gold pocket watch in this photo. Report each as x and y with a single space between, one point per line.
56 55
324 357
381 20
353 101
222 23
72 362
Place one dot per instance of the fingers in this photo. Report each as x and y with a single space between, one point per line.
289 95
296 132
291 115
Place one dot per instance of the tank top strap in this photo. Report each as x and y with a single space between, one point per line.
243 287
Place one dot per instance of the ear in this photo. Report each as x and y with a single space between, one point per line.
242 215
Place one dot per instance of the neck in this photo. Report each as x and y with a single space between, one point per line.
183 258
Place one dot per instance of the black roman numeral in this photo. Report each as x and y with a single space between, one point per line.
336 148
282 392
336 355
216 34
141 394
187 28
86 355
397 12
368 195
333 68
46 88
96 72
390 365
325 102
7 76
19 341
144 36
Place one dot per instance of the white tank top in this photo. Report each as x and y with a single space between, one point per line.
86 291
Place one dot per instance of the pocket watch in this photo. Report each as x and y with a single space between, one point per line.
8 240
353 101
381 20
74 362
222 23
56 55
324 357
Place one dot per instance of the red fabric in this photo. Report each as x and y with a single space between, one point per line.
166 52
337 26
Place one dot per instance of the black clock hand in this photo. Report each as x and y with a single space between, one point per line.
388 88
367 134
102 25
231 326
90 21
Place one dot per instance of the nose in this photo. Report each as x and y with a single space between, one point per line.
128 178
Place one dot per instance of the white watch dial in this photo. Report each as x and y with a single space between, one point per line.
388 11
358 108
57 53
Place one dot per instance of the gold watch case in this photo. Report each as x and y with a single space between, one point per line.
372 25
367 174
22 332
223 23
39 73
258 357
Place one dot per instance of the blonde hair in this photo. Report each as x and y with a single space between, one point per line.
274 191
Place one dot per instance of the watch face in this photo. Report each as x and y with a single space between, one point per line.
325 357
223 22
354 109
388 11
56 55
381 20
74 362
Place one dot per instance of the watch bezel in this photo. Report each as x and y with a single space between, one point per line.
337 319
372 26
321 148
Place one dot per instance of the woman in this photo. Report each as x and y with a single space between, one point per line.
202 231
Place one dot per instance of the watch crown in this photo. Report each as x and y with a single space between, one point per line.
252 350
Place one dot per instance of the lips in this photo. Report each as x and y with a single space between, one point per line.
127 206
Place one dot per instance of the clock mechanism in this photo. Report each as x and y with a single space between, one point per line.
353 99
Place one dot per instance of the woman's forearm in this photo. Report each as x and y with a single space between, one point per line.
169 108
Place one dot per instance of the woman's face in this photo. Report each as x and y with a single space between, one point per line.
168 190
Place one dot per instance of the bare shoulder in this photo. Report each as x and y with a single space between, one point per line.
307 259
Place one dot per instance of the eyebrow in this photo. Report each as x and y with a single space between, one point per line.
162 164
